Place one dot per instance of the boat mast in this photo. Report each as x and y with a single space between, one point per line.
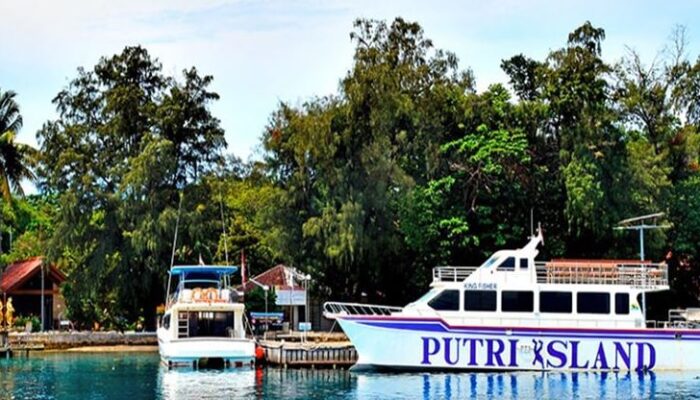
172 256
641 225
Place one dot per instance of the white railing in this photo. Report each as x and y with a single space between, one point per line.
640 274
688 318
333 309
452 274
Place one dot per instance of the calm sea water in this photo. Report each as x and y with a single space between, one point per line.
140 376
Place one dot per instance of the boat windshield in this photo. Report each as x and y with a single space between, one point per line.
424 298
492 260
201 283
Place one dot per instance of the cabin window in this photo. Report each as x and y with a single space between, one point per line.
508 264
480 300
556 302
593 303
209 323
523 263
622 303
166 321
447 300
516 301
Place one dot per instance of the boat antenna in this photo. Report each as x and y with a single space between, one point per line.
532 222
223 223
177 225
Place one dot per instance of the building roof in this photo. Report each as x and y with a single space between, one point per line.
281 277
19 272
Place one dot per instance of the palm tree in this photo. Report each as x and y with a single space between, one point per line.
16 159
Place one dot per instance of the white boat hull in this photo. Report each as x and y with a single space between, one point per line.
431 343
185 351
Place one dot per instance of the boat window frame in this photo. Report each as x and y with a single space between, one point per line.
518 301
570 301
626 310
509 268
524 263
495 300
584 303
442 292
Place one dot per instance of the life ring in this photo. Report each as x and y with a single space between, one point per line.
211 294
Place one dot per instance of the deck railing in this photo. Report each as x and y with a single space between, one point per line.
641 274
608 272
452 273
333 309
203 295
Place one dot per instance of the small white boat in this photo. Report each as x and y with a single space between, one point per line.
203 322
512 313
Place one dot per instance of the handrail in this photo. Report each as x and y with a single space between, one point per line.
452 273
333 309
641 274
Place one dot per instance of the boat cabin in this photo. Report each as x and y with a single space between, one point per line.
202 303
512 289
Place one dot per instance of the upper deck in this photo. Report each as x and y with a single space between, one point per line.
638 274
518 267
201 284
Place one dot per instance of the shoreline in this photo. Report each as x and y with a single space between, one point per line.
107 349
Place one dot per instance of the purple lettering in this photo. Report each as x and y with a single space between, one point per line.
558 354
448 353
537 347
494 354
600 358
427 352
641 365
574 356
621 354
472 350
513 352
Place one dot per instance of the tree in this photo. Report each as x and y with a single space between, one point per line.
128 144
16 159
346 161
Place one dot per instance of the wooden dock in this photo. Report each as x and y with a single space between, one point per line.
310 355
9 350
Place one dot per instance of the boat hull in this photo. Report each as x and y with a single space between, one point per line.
186 351
433 344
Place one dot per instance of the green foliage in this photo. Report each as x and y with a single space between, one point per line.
404 168
21 322
255 300
128 143
685 214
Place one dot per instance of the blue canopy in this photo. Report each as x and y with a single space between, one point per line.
203 269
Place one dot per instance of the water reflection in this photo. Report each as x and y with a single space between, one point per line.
526 385
133 377
271 383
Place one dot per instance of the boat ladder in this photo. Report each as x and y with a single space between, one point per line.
183 325
333 309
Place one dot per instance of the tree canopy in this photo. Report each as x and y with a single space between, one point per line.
407 166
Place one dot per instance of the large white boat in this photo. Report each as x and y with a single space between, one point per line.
203 322
512 313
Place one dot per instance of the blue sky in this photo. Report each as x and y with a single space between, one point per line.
266 51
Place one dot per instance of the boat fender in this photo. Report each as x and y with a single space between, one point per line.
259 355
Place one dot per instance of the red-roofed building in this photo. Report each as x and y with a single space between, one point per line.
22 281
290 288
